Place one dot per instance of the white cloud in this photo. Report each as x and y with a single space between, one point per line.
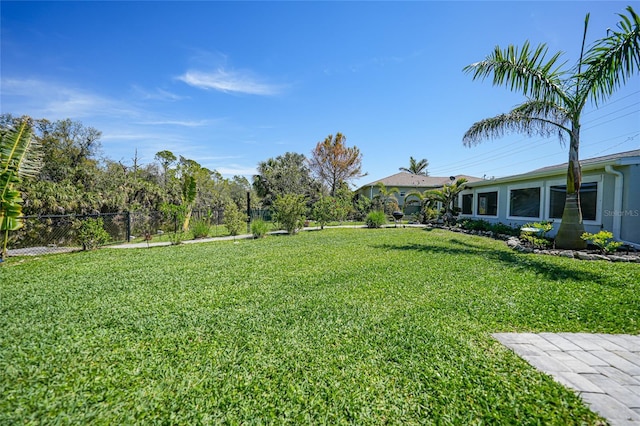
157 94
229 82
231 170
54 101
182 123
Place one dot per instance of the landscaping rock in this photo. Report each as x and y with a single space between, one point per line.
584 256
566 253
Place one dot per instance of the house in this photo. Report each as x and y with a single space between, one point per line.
609 197
408 182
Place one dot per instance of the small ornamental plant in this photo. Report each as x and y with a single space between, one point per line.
603 240
537 238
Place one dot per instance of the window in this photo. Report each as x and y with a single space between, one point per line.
467 203
588 200
524 202
488 204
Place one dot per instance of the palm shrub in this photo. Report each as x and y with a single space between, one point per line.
376 219
19 158
259 228
290 210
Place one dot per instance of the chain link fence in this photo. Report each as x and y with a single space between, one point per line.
60 233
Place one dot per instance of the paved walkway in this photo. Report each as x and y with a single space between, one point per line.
603 368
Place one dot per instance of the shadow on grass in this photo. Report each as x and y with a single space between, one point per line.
539 264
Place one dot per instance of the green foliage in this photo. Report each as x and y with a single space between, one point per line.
175 213
417 167
200 228
234 219
19 158
538 238
92 234
543 227
323 211
285 174
259 228
290 210
483 225
376 219
336 327
361 207
603 240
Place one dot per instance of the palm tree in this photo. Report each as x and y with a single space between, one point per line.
556 98
447 196
386 195
417 167
19 157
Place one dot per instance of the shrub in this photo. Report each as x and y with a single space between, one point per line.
92 234
324 211
234 219
259 228
603 240
538 238
290 212
200 228
475 225
376 219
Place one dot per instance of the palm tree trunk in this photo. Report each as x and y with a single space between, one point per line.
572 228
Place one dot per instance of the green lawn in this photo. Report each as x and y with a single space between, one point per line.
341 326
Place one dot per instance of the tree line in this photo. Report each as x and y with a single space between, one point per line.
73 176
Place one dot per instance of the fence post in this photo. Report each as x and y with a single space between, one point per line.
128 213
248 212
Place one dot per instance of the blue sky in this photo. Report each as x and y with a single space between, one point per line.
229 84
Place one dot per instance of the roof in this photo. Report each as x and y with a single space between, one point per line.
627 157
417 181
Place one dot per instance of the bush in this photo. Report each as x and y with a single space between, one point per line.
603 240
324 211
234 219
290 212
475 225
259 228
92 234
200 228
376 219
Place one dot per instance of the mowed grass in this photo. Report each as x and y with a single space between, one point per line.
341 326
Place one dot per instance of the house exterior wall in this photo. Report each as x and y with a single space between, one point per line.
630 214
604 213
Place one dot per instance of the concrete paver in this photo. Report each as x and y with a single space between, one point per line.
604 369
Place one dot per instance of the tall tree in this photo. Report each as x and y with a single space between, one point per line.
556 98
417 167
333 162
285 174
166 159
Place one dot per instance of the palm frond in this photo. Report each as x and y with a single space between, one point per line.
526 70
612 60
527 121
